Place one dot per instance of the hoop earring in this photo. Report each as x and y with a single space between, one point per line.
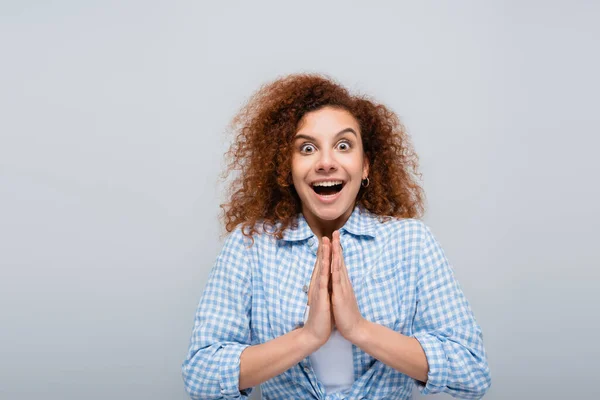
363 182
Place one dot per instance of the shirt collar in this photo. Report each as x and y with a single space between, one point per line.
361 222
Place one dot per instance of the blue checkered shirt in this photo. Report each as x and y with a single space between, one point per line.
401 279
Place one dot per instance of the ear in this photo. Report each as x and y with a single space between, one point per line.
365 167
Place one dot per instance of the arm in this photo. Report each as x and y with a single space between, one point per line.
403 353
264 361
446 353
398 351
446 328
221 364
221 327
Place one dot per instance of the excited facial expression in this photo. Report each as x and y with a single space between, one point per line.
328 165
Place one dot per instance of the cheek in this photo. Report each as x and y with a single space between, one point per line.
300 168
355 165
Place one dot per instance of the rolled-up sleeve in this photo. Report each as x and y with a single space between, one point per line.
446 328
221 331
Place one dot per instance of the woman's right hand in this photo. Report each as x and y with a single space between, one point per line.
319 323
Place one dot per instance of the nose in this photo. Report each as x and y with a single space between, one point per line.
326 162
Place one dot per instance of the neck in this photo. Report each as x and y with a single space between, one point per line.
322 228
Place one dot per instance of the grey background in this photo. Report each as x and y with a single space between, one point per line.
111 140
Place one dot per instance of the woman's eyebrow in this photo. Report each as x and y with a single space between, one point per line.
308 137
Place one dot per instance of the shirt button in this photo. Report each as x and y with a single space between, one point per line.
305 288
311 241
306 369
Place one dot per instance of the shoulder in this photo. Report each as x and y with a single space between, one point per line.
410 230
406 237
241 236
412 240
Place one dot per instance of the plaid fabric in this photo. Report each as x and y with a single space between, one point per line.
401 279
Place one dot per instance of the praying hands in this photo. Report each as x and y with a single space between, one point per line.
331 297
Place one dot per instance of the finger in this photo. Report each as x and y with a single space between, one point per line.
313 290
315 272
335 251
341 263
324 265
335 265
326 261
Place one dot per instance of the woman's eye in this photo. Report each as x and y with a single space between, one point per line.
307 148
344 146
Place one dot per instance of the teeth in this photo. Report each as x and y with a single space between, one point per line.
331 183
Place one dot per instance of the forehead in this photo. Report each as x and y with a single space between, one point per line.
327 121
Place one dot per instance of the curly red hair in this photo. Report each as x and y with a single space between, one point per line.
262 148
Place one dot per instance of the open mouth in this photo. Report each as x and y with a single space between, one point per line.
328 189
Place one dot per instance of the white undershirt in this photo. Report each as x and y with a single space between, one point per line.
333 362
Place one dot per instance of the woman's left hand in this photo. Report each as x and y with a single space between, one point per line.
348 319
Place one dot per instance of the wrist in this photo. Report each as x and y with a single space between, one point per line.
360 334
308 341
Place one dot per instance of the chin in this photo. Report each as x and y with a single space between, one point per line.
329 214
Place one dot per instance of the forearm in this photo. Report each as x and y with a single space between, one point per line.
262 362
403 353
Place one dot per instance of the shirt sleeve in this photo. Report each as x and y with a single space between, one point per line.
221 331
446 328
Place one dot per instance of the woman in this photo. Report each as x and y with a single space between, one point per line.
327 285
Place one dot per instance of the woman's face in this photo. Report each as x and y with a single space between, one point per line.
328 165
